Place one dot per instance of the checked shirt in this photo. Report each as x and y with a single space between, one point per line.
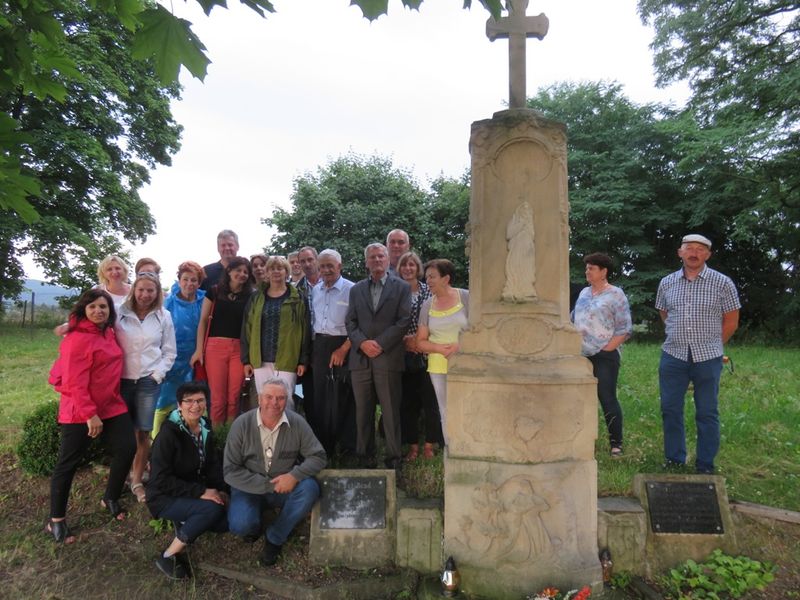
694 313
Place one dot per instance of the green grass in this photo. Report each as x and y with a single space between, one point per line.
759 410
759 415
26 355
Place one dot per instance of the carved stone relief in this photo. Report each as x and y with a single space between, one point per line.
505 523
522 335
520 283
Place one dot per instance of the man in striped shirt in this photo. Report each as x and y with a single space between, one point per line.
700 309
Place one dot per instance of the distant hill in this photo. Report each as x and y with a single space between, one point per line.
46 293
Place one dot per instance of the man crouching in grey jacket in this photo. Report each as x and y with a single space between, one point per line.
271 458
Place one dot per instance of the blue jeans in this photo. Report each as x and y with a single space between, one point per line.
196 516
674 376
140 396
244 514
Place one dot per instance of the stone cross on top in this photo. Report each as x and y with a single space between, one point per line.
517 27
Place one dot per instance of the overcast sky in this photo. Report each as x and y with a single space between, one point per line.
314 81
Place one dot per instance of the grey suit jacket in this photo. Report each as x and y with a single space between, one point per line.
387 325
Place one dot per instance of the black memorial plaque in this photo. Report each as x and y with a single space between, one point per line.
683 507
353 503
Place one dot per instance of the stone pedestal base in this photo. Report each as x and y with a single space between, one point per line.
515 529
520 474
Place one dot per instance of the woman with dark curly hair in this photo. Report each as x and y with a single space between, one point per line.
87 374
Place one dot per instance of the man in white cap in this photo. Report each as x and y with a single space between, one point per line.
700 309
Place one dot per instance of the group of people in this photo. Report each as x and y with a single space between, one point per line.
129 371
700 310
131 363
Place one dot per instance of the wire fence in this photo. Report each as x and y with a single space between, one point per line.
35 309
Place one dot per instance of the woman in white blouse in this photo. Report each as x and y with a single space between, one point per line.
147 338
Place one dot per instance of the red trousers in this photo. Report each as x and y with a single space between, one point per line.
225 377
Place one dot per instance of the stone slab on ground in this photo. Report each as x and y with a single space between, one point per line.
622 528
338 541
390 586
420 526
666 550
765 512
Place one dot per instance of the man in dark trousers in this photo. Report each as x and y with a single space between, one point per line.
377 318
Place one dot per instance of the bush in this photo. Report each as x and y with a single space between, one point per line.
38 448
221 436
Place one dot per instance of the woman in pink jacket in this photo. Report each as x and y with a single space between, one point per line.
87 375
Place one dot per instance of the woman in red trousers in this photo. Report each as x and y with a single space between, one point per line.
218 341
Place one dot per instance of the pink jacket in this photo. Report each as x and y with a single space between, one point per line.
87 374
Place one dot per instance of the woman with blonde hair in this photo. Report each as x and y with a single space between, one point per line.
276 333
184 304
147 338
112 275
418 394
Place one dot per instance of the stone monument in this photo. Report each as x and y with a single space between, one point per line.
520 474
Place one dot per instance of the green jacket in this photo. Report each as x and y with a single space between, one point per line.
294 331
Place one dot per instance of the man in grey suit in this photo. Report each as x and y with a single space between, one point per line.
377 318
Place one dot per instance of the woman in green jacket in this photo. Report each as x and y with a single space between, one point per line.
276 331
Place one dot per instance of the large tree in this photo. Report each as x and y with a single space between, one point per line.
742 61
624 197
640 177
33 61
90 152
356 200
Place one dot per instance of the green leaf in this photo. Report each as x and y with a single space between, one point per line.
208 5
42 86
372 9
172 43
259 6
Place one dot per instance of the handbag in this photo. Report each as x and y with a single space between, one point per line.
415 362
199 372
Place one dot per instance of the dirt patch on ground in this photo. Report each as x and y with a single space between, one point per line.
113 560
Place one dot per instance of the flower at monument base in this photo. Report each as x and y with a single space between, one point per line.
551 593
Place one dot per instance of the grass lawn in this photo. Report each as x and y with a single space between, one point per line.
760 457
759 414
759 407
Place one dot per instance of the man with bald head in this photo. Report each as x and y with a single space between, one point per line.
398 244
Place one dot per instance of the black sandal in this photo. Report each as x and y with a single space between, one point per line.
59 531
113 507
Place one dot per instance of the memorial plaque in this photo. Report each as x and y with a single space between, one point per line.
353 503
683 507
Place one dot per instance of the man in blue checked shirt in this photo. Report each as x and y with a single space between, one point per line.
700 310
